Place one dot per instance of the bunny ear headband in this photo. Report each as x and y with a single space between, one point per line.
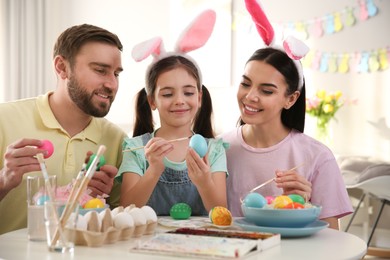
293 47
193 37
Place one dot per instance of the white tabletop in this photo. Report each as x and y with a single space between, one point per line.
325 244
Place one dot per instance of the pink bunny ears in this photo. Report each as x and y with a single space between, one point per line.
293 47
193 37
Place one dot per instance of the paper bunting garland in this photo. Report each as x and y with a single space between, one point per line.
360 62
333 22
317 27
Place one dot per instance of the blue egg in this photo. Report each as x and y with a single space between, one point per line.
42 199
199 144
254 200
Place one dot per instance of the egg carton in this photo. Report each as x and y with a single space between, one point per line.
108 227
110 236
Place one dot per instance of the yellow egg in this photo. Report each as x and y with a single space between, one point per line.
94 204
220 216
281 201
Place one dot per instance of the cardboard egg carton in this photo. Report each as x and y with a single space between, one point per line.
105 227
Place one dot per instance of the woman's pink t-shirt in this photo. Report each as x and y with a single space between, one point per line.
248 167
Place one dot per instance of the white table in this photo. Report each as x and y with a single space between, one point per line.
325 244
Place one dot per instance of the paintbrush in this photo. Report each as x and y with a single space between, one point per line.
76 185
273 179
51 195
170 141
69 208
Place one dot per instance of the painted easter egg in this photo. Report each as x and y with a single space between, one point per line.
281 201
94 204
48 146
294 205
180 211
199 144
254 200
269 199
220 216
297 198
102 161
42 199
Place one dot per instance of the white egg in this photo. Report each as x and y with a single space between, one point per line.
150 214
128 208
71 220
138 216
81 223
116 210
123 220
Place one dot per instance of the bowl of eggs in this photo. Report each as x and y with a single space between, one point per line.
280 211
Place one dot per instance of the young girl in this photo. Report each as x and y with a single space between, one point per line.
166 172
269 139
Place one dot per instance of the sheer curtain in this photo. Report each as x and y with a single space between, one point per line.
25 50
2 49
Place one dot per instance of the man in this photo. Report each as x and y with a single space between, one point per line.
87 62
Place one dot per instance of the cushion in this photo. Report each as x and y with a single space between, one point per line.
374 171
356 169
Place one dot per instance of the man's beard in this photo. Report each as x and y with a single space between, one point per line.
84 100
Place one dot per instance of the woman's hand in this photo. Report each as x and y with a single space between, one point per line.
293 183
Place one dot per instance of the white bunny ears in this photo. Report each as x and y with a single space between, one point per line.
293 47
192 38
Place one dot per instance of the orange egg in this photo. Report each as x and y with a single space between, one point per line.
220 216
94 204
294 205
281 201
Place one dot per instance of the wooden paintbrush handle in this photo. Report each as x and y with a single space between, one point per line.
141 147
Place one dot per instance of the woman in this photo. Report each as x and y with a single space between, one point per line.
270 137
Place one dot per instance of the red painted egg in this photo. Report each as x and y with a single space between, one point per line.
48 146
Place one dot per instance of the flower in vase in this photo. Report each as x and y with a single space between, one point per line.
324 106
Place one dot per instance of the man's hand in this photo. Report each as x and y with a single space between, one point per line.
102 181
18 160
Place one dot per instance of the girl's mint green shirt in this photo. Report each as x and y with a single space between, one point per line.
135 161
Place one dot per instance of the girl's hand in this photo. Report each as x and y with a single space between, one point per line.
198 168
155 151
293 183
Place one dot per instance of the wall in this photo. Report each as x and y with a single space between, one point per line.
2 51
135 21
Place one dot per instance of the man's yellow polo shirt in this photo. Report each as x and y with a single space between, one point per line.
33 118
